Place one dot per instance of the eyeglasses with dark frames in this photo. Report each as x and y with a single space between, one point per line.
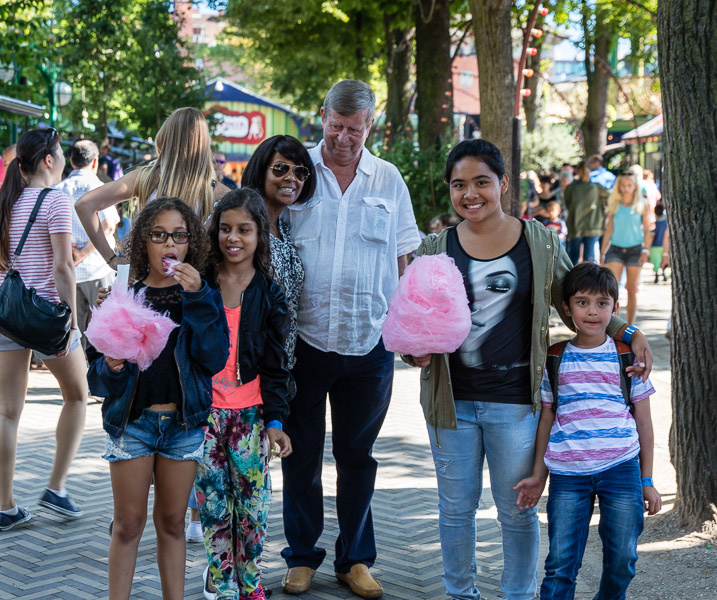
279 169
179 237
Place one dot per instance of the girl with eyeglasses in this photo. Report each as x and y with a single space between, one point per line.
46 265
184 169
154 418
281 171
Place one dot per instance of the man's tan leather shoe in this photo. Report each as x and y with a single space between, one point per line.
361 582
297 580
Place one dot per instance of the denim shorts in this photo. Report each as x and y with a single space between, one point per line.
8 344
156 433
630 257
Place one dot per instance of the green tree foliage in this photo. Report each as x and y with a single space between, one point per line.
551 146
123 59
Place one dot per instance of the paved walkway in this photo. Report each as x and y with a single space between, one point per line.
52 558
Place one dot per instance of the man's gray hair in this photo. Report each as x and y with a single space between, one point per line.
350 97
83 152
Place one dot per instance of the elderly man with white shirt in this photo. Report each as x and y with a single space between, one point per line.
353 237
91 270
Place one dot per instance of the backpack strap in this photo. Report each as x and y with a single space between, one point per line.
30 223
552 364
626 358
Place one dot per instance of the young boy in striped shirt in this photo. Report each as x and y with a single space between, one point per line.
593 445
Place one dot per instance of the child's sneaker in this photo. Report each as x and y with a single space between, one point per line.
9 521
194 534
62 505
258 594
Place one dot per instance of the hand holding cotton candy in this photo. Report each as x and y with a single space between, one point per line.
168 264
429 312
124 328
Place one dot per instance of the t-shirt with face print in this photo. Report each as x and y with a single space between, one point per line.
493 363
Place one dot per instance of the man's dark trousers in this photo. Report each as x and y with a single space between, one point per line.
359 389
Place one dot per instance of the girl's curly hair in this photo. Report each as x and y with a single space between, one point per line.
253 203
136 247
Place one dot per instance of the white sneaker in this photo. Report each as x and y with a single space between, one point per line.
194 533
205 585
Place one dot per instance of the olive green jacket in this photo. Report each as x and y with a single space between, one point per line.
550 266
586 203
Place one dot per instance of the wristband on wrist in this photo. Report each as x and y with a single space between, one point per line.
111 258
646 250
274 425
627 334
647 482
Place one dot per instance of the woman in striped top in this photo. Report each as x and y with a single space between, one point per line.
45 264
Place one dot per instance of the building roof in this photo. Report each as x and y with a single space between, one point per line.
20 107
651 129
233 92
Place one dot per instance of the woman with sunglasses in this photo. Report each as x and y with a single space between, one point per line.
45 264
184 169
281 171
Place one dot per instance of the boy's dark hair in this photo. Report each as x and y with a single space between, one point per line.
589 277
659 209
252 202
136 249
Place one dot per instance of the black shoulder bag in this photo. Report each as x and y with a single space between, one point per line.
26 318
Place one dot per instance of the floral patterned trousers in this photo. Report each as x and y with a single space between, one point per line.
234 490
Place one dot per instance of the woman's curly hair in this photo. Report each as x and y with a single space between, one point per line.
136 247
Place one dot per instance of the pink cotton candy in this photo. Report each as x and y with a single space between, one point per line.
123 327
429 312
168 264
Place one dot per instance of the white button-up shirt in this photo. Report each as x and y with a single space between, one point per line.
350 244
76 185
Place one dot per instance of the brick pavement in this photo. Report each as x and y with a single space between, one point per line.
52 558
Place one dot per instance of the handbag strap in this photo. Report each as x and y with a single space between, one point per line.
31 221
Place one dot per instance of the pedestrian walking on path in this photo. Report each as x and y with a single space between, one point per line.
154 418
480 402
353 236
46 265
250 400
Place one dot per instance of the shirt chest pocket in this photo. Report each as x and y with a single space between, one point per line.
305 221
376 219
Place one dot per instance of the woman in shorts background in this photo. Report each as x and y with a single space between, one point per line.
45 264
626 242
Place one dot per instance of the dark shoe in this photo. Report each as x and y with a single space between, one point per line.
297 580
9 521
64 506
361 582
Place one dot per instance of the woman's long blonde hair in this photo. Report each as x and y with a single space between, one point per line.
184 167
638 201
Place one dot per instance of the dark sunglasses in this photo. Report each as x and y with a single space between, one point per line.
179 237
219 161
279 169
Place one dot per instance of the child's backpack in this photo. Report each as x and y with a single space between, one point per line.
625 356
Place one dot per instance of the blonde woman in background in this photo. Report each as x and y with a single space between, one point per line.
626 240
184 169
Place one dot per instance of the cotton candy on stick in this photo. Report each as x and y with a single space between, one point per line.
429 312
123 327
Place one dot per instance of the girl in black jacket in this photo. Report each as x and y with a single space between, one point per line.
250 399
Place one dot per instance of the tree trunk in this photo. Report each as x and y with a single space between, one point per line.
594 127
496 82
532 103
687 45
399 51
434 81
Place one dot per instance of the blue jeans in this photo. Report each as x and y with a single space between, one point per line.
589 254
570 505
505 435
